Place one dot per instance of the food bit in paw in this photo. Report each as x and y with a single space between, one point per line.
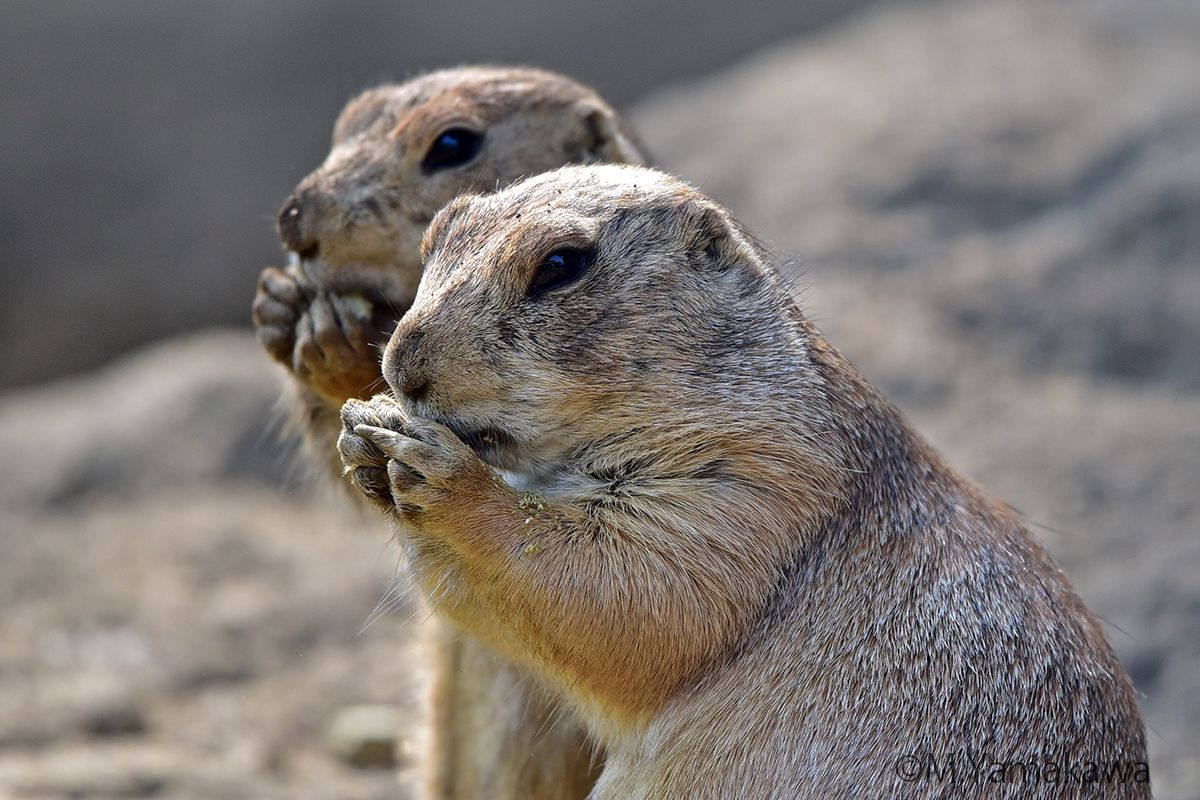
360 306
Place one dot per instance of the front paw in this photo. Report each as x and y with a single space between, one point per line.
365 463
328 341
337 350
278 307
408 465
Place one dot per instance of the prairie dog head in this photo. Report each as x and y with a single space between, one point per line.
400 152
586 303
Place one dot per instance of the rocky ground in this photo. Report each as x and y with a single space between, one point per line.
992 207
186 614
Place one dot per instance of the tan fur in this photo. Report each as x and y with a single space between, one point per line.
659 488
353 229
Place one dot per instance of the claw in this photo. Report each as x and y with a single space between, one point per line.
371 481
355 409
357 452
279 287
387 441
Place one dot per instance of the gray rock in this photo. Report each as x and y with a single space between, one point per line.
1029 171
198 408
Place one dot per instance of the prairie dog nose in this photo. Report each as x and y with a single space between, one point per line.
297 229
405 364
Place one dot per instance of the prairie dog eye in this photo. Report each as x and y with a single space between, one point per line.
452 148
560 268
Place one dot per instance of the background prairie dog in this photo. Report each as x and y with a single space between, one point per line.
619 454
353 229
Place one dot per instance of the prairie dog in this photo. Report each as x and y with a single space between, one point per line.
353 229
617 452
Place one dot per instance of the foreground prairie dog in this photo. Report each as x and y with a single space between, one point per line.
353 229
619 454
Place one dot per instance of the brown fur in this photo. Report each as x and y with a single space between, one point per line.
695 522
353 229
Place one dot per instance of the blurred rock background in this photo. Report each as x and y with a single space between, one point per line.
992 206
148 145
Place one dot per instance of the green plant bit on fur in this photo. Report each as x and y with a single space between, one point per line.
533 500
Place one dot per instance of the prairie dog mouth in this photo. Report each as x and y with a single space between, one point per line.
494 446
310 273
484 440
370 301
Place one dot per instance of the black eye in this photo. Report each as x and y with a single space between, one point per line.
453 147
560 268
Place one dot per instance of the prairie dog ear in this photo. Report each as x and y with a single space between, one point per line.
601 136
359 113
436 229
709 235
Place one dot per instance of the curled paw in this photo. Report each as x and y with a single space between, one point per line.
278 306
365 463
408 464
336 349
330 342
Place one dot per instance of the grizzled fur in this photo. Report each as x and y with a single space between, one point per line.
658 487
